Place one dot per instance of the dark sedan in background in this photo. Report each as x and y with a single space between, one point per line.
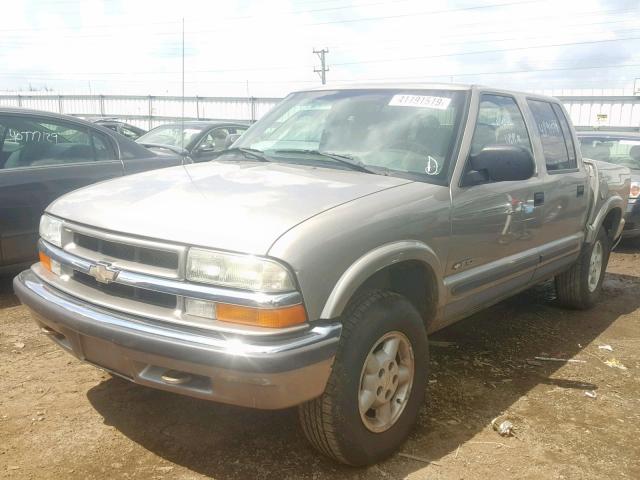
621 148
44 155
130 131
197 140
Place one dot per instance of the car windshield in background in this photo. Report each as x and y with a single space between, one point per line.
621 151
171 135
404 132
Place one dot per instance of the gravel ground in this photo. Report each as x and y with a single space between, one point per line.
60 418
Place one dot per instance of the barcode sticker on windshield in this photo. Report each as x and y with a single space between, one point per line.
421 101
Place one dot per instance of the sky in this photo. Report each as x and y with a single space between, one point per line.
265 48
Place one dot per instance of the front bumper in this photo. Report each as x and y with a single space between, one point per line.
269 373
632 219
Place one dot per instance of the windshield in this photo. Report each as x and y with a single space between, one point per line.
621 151
172 135
410 133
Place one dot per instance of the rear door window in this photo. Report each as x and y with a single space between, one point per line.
557 145
33 142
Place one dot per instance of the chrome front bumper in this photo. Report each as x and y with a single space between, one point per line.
262 372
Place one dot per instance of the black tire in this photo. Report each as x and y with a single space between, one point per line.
572 286
332 422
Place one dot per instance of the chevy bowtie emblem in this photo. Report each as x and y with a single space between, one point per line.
103 272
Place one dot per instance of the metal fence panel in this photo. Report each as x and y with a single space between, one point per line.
604 107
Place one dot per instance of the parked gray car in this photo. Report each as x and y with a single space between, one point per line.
44 155
196 140
306 265
621 148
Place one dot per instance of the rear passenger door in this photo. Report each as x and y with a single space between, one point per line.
565 185
41 159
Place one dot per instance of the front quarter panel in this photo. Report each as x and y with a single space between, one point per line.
333 253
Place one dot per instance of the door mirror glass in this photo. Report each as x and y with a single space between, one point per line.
205 148
503 163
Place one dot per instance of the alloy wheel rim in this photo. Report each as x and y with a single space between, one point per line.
595 266
385 382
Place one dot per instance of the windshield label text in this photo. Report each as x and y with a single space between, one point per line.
421 101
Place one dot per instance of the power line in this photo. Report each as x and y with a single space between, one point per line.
362 79
360 62
533 70
352 20
477 52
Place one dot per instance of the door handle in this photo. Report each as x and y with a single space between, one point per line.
580 191
538 198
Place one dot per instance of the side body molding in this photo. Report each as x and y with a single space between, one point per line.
374 261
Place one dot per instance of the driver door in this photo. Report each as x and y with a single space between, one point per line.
495 226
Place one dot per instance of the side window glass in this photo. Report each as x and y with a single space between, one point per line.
499 122
129 133
31 142
214 141
101 146
566 132
554 147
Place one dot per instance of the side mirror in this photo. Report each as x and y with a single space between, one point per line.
206 148
231 138
503 163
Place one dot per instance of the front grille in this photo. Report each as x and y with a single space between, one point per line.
125 291
133 253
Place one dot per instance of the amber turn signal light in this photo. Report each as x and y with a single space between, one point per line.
270 318
45 260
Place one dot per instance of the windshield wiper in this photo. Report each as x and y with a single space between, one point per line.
250 153
344 159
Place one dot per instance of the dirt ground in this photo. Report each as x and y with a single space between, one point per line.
60 418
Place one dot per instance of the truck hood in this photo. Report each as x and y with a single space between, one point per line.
237 206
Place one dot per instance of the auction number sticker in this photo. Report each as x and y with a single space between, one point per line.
421 101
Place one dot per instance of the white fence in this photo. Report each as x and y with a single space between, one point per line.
145 111
604 111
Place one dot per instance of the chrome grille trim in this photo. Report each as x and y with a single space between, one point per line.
70 246
180 288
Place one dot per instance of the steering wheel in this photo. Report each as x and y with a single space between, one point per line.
430 164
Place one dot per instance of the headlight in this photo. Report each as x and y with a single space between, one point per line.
635 190
51 230
238 271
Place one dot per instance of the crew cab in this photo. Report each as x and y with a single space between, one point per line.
306 265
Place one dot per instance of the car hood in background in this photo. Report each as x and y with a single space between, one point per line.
240 206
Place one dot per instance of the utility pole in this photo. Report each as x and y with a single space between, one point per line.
323 64
182 102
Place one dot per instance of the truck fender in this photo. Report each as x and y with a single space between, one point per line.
613 202
373 261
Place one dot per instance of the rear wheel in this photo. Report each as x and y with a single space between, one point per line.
581 285
377 385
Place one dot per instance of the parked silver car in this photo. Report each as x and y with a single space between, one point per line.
307 264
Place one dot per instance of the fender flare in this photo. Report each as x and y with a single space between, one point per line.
374 261
615 201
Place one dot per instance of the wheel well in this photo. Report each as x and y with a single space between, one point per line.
413 279
611 222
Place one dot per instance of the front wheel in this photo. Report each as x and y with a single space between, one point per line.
581 285
377 385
